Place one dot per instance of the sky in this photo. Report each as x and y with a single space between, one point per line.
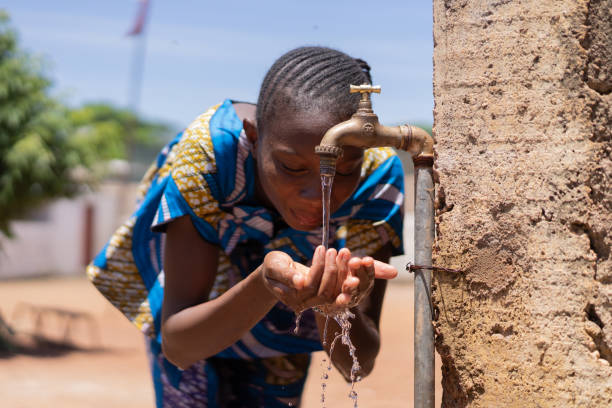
198 52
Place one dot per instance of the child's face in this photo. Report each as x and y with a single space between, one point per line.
288 168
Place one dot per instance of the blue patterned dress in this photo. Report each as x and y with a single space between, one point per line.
207 172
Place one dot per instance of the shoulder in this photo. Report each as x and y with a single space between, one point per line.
196 148
381 162
214 152
209 144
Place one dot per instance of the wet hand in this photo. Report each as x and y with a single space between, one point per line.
356 277
300 287
333 282
284 278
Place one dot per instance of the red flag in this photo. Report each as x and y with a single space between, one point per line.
141 18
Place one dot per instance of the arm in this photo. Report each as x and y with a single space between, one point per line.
194 327
364 333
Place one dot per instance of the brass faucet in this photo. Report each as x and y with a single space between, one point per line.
363 130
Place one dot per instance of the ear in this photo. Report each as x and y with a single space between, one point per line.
250 128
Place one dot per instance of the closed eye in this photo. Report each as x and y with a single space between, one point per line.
293 170
350 171
345 174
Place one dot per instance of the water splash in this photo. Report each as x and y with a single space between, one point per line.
345 325
298 318
325 330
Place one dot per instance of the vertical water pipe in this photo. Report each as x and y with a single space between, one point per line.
424 369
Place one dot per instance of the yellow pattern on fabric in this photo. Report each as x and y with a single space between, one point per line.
120 281
372 158
364 238
193 158
222 281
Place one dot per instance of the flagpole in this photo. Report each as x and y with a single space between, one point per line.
138 33
139 36
137 70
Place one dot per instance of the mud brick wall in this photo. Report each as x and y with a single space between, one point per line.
523 124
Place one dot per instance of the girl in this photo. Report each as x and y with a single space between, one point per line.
213 263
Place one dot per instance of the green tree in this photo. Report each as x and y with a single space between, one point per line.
35 156
103 132
42 142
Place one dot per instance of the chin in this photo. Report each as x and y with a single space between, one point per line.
300 226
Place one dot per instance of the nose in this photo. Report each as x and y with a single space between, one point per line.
311 191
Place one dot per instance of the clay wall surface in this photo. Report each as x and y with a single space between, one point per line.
523 125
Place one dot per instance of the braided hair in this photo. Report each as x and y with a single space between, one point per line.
311 78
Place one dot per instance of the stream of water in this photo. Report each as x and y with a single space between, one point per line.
326 187
342 318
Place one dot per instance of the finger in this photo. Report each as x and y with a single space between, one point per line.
362 268
384 271
342 261
381 270
343 299
354 265
327 288
313 277
350 284
298 281
368 266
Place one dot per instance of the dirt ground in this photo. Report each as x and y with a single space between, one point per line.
106 365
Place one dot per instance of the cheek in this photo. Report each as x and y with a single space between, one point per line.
342 190
276 184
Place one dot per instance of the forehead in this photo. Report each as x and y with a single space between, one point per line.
301 132
298 127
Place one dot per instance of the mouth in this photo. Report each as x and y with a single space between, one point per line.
306 219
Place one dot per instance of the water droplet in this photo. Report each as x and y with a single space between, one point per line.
298 317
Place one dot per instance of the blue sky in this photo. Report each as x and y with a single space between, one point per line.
201 52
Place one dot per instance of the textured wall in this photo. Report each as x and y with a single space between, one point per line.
524 202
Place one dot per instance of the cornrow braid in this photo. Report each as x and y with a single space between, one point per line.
313 78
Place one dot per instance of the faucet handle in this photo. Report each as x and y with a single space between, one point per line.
365 89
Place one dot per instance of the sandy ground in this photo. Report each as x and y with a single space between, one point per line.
107 367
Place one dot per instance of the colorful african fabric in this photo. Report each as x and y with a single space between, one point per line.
207 173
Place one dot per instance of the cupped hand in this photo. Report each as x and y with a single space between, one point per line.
299 286
358 276
334 281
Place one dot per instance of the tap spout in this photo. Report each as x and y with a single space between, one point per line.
364 131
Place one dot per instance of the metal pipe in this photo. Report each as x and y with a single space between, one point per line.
424 370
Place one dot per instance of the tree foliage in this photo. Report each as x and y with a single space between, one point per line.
103 132
42 142
35 158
